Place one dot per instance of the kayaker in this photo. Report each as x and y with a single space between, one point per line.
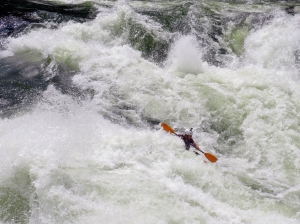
188 140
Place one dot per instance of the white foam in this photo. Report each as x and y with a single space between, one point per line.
186 56
274 45
81 167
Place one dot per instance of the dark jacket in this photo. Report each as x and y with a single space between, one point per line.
187 141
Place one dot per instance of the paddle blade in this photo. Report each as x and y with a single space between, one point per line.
210 157
167 128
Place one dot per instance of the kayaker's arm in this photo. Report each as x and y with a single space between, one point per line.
194 144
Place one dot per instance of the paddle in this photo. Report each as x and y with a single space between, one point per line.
209 156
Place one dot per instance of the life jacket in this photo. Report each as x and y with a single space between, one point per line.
188 142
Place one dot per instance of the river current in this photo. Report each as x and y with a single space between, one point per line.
84 87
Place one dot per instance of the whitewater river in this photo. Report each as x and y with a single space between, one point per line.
84 87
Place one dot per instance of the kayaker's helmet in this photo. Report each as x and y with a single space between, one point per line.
188 132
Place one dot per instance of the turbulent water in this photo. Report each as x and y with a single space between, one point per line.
84 87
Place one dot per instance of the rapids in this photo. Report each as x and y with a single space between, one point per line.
84 87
